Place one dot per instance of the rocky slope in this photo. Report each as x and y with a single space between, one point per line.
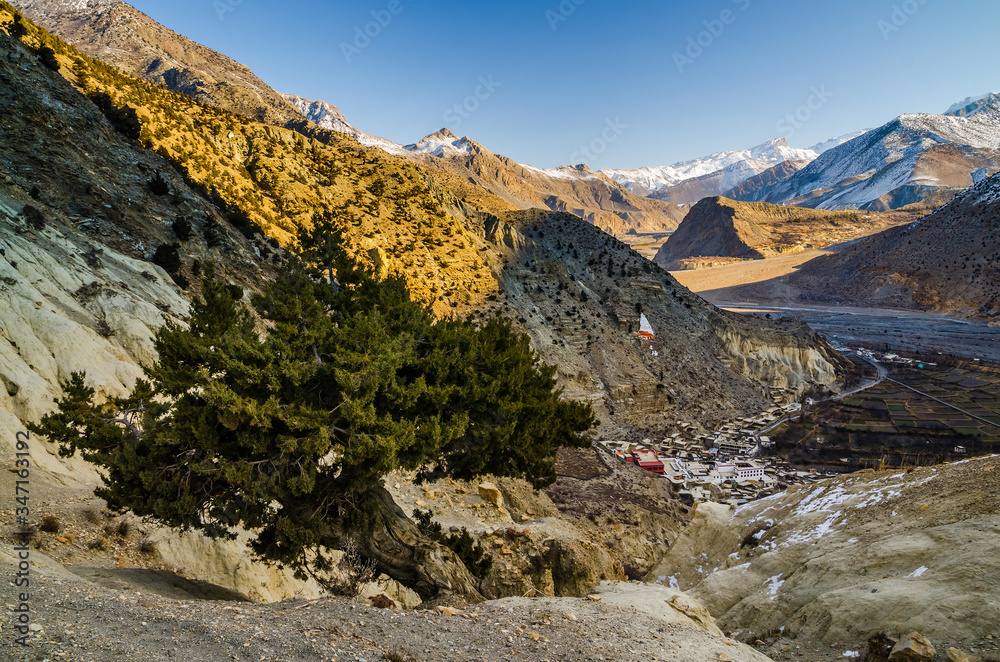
756 187
578 293
718 230
117 33
911 158
905 267
80 620
837 562
577 190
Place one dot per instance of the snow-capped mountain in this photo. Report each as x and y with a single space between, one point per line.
827 145
884 167
441 144
651 179
321 113
328 116
973 105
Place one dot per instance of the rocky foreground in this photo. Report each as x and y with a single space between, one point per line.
820 569
79 620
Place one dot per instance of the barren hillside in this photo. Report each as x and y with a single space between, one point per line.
905 267
719 230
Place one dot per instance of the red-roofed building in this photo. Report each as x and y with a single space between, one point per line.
647 460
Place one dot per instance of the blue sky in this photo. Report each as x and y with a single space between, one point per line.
614 84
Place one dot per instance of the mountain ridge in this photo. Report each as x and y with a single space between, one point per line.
905 267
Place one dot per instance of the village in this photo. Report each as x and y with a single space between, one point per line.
725 466
728 465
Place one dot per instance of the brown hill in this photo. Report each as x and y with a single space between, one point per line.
578 190
947 262
719 230
119 34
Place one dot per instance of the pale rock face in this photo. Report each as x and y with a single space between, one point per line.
839 559
783 365
229 564
50 311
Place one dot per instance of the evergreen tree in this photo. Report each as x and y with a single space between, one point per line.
291 433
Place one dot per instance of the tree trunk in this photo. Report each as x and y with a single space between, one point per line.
404 553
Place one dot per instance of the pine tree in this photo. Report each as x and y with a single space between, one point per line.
347 385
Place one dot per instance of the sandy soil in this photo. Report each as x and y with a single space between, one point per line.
760 287
717 284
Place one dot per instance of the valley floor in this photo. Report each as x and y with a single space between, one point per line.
758 286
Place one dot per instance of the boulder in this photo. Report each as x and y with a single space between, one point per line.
913 647
955 655
490 493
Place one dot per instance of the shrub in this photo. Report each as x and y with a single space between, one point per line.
168 256
158 185
352 572
124 119
34 217
48 58
182 229
50 524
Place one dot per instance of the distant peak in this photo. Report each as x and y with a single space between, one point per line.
974 105
443 134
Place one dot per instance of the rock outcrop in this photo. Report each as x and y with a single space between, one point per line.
838 561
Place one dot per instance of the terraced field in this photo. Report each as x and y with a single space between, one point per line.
956 414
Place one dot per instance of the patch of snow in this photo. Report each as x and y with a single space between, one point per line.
919 572
773 584
851 654
674 584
